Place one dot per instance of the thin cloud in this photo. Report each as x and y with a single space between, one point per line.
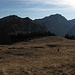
61 5
35 9
57 2
69 3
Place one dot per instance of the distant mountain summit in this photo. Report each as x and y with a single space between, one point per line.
57 24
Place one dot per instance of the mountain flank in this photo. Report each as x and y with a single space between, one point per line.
57 24
14 28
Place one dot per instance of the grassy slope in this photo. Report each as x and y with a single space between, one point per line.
38 57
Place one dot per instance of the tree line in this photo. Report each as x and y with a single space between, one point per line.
70 37
21 36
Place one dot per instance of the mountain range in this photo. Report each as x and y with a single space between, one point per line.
13 25
56 24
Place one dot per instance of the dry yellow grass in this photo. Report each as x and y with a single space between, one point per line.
38 57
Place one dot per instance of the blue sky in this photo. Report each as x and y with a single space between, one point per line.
37 8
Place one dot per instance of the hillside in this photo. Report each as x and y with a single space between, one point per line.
49 55
14 28
56 23
72 30
13 25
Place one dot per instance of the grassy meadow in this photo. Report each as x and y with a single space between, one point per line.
51 55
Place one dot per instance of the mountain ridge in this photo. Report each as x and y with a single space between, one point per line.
56 23
16 25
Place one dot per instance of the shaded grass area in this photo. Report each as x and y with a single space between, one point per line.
41 58
52 45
